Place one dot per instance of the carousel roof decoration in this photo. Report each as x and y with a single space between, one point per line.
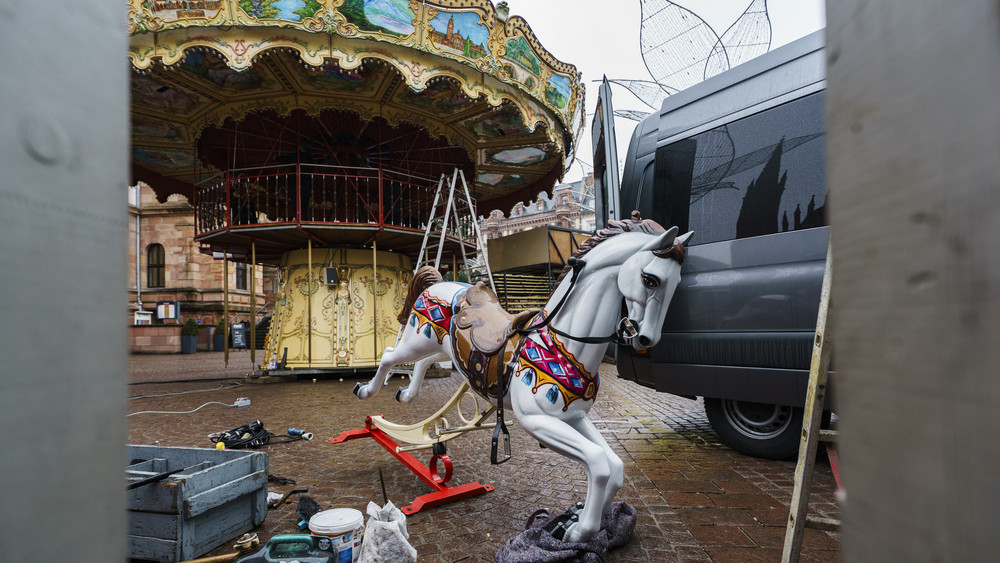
423 85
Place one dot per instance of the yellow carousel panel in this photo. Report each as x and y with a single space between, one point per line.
336 314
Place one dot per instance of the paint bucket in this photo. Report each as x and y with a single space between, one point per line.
344 527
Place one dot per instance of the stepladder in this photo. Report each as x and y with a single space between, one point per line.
812 433
458 224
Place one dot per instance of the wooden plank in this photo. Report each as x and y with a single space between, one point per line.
157 497
222 524
153 549
913 171
152 525
225 492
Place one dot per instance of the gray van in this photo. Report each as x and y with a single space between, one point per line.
739 159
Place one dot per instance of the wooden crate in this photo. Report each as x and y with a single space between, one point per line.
220 495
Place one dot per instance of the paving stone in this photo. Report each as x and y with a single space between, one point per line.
730 536
697 499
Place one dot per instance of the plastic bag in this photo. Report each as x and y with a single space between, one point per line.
386 536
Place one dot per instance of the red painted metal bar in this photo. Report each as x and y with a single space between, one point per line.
831 454
381 191
443 492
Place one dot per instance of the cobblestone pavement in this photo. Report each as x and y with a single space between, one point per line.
697 500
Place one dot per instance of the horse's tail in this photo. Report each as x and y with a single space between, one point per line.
425 277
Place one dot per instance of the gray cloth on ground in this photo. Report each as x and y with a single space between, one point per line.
386 536
535 545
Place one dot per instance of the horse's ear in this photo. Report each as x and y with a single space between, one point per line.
661 242
685 237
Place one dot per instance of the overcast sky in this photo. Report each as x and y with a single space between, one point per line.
601 37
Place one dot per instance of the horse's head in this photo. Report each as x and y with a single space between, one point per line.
648 280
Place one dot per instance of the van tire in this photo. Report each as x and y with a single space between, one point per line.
756 429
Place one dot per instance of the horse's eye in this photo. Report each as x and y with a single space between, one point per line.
650 281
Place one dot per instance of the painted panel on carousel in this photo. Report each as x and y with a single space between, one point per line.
459 33
163 97
557 91
330 77
289 10
143 126
210 65
518 51
503 122
440 98
390 17
173 10
163 158
499 180
522 156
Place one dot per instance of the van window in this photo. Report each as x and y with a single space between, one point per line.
759 175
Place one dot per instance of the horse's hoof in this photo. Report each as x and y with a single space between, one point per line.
399 394
357 390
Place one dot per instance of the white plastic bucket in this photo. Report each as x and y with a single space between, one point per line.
344 527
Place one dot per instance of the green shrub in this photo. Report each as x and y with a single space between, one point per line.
221 327
190 328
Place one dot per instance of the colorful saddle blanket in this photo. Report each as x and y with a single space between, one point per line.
484 337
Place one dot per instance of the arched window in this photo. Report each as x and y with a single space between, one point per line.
155 266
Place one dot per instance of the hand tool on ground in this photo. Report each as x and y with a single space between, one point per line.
285 496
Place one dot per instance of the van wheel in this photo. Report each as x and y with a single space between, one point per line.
757 429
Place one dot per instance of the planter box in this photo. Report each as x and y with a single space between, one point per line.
189 344
219 495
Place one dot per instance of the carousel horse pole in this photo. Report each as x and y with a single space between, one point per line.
551 357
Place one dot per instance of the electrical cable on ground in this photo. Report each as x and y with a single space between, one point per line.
252 435
241 402
220 387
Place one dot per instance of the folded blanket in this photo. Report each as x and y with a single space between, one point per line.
536 545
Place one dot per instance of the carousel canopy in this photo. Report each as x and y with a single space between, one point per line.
416 87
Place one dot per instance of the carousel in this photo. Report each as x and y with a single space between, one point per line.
330 139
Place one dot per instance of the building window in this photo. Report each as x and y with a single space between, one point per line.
241 275
155 266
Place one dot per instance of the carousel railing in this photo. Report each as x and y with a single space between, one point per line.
330 195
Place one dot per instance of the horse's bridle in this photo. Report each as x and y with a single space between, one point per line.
623 335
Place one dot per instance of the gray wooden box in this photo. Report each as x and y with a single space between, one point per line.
220 495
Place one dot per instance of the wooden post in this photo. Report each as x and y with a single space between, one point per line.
309 301
374 299
253 305
915 209
225 301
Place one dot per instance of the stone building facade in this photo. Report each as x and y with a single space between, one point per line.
173 270
571 206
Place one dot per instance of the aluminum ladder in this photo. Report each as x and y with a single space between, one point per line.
452 210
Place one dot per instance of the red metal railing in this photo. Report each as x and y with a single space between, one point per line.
329 194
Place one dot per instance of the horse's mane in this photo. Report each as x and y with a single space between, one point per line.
635 224
425 277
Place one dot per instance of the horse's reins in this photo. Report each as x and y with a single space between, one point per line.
623 335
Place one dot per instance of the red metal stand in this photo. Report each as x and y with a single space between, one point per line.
443 492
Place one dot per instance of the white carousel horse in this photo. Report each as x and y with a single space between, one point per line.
552 369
